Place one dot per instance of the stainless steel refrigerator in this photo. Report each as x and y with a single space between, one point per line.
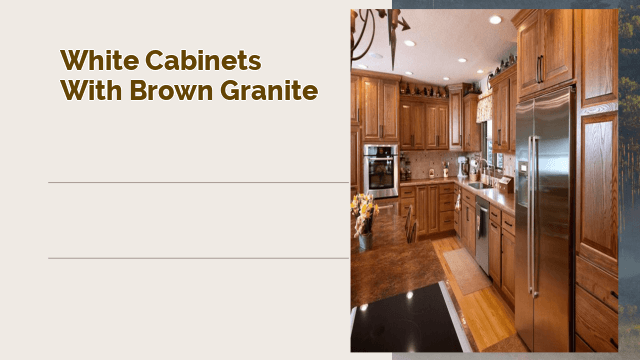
545 153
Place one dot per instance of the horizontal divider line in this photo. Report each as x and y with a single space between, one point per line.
198 182
198 258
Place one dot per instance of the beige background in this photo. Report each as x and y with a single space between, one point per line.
174 309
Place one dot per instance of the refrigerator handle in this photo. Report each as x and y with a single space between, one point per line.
534 187
529 218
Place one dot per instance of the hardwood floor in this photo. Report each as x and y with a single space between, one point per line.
488 317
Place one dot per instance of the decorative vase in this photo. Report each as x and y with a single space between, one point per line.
366 240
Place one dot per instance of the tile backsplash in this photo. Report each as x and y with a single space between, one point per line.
423 161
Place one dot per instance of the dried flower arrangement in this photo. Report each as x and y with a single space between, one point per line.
365 210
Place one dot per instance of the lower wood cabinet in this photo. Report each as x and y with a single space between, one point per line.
432 209
508 266
468 222
421 209
596 323
495 254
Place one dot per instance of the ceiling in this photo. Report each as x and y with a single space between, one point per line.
441 37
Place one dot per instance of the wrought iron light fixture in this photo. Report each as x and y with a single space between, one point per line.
392 24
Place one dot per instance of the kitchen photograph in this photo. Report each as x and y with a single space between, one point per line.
484 186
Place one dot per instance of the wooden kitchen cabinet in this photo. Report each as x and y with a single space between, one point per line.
545 49
356 161
412 125
597 204
456 116
505 99
468 224
421 209
472 130
379 112
495 254
433 215
508 275
355 100
437 127
599 56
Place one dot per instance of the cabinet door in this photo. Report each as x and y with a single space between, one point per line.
421 209
432 126
406 118
503 120
496 117
456 222
356 165
472 230
442 140
369 111
495 254
432 207
389 96
513 101
557 46
598 191
355 98
472 129
455 120
599 56
508 266
528 53
418 126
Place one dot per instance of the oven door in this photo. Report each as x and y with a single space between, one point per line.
381 175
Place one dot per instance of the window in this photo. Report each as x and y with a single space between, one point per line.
487 146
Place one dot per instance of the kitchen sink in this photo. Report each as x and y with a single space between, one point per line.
480 186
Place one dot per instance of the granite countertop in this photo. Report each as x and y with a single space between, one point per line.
505 202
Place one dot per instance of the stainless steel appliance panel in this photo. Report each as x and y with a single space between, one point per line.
482 233
523 298
381 170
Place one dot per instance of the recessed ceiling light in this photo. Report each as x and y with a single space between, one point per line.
364 307
445 78
409 294
409 43
376 56
462 60
480 71
408 72
495 19
362 66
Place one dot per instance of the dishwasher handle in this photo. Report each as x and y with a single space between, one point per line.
483 210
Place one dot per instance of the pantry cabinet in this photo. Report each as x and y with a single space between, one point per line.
545 49
504 101
379 111
459 135
412 125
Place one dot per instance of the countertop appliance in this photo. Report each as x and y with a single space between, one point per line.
482 233
463 167
381 170
545 144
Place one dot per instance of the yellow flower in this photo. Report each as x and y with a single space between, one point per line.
353 205
363 209
370 206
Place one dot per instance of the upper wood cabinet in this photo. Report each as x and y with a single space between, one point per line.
504 87
437 127
472 130
355 100
597 204
412 125
379 111
456 116
599 56
545 49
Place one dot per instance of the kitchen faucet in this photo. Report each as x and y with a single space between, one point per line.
486 166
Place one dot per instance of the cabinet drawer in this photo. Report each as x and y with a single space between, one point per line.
468 197
509 223
447 220
598 283
447 202
596 324
408 191
446 188
495 215
404 206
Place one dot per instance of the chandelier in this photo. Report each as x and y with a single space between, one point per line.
392 24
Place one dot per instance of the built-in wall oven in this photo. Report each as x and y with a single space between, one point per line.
381 170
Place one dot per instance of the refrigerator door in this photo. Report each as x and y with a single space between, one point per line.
523 298
552 244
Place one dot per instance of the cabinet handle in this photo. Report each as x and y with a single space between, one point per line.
467 214
506 222
541 65
379 131
494 225
492 213
447 221
499 138
613 342
613 293
358 114
538 70
448 202
460 141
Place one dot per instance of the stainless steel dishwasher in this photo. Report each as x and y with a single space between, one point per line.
482 233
